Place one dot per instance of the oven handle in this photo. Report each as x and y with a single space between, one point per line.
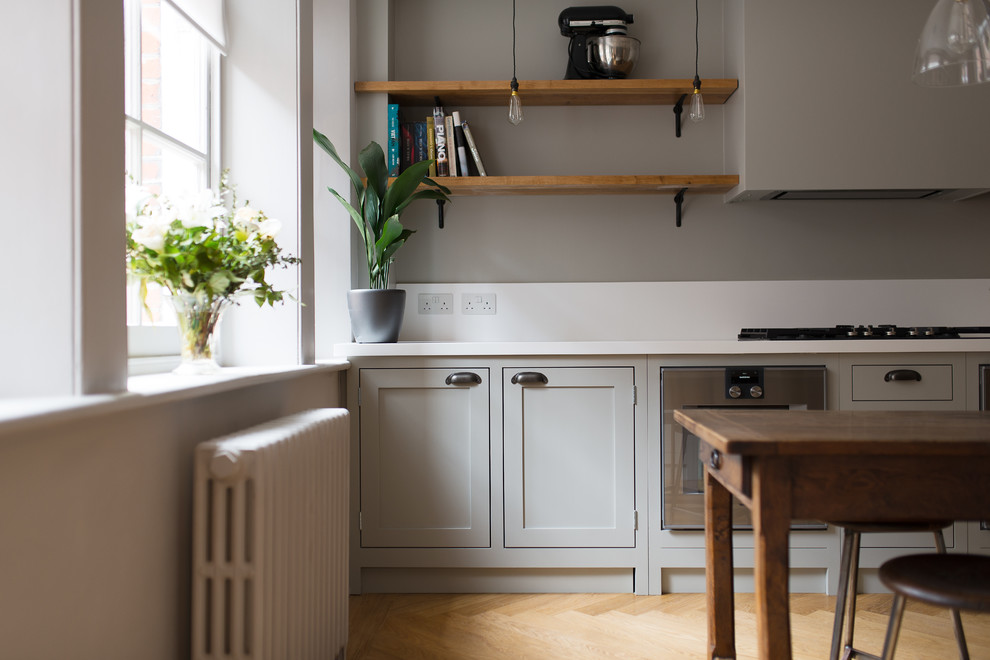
901 374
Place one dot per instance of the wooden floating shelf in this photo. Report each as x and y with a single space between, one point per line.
548 92
471 186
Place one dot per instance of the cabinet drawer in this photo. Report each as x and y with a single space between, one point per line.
902 382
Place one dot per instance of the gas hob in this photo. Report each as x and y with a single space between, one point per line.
871 332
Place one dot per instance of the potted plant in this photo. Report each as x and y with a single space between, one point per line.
376 312
205 252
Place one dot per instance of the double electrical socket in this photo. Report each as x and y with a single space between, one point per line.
443 303
436 303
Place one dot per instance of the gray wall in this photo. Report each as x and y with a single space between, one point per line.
633 238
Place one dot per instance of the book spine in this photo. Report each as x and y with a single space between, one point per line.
448 122
419 141
406 145
439 136
461 144
431 145
475 154
393 139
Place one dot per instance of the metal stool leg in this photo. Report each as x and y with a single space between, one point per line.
956 619
845 601
843 595
894 627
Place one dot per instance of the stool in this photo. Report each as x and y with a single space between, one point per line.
958 581
845 602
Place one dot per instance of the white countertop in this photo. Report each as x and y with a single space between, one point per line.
686 347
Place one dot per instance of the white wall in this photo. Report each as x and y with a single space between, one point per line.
633 237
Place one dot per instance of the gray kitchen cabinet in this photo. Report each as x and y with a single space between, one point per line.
569 459
424 444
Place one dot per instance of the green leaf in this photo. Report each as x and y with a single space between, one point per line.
421 194
358 219
404 186
328 147
372 160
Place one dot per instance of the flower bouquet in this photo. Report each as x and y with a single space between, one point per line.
205 251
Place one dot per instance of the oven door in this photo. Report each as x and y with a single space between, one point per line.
782 388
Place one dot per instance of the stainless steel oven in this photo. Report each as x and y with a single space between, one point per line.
778 387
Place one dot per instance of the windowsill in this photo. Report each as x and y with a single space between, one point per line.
17 415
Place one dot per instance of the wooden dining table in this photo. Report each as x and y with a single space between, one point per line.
862 466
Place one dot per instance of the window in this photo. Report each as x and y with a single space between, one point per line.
171 130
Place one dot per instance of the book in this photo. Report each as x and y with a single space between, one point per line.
473 148
431 145
405 145
420 151
440 140
393 139
461 144
448 123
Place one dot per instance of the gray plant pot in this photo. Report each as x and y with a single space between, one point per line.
376 314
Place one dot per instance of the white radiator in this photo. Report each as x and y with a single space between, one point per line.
270 541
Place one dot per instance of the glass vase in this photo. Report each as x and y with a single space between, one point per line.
198 317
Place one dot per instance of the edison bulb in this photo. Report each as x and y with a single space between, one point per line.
515 109
697 111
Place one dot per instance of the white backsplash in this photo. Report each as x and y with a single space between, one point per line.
674 311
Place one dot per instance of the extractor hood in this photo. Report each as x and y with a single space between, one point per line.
831 112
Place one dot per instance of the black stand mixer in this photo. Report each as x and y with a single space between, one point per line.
600 46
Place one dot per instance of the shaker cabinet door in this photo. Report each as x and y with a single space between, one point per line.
569 457
425 458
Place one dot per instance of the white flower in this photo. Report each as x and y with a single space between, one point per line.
269 227
151 235
248 219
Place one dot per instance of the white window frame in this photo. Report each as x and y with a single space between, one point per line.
147 344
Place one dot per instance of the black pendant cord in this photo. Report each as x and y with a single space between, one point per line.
679 106
697 81
515 83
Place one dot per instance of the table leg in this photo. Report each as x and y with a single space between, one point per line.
718 573
771 525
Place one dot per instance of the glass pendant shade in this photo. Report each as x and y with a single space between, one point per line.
954 47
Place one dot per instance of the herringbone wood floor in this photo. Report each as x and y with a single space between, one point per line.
595 626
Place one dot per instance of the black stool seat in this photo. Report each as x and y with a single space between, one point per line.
954 581
959 582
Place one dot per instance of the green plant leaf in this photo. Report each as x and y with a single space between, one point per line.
372 160
430 182
357 217
421 194
324 142
404 185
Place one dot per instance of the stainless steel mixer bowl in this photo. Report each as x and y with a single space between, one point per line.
613 55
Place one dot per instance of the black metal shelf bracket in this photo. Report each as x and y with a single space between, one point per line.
678 109
678 201
440 213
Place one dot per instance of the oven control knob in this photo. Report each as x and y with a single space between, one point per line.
756 391
735 391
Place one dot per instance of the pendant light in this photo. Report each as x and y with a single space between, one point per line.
515 102
954 46
697 108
